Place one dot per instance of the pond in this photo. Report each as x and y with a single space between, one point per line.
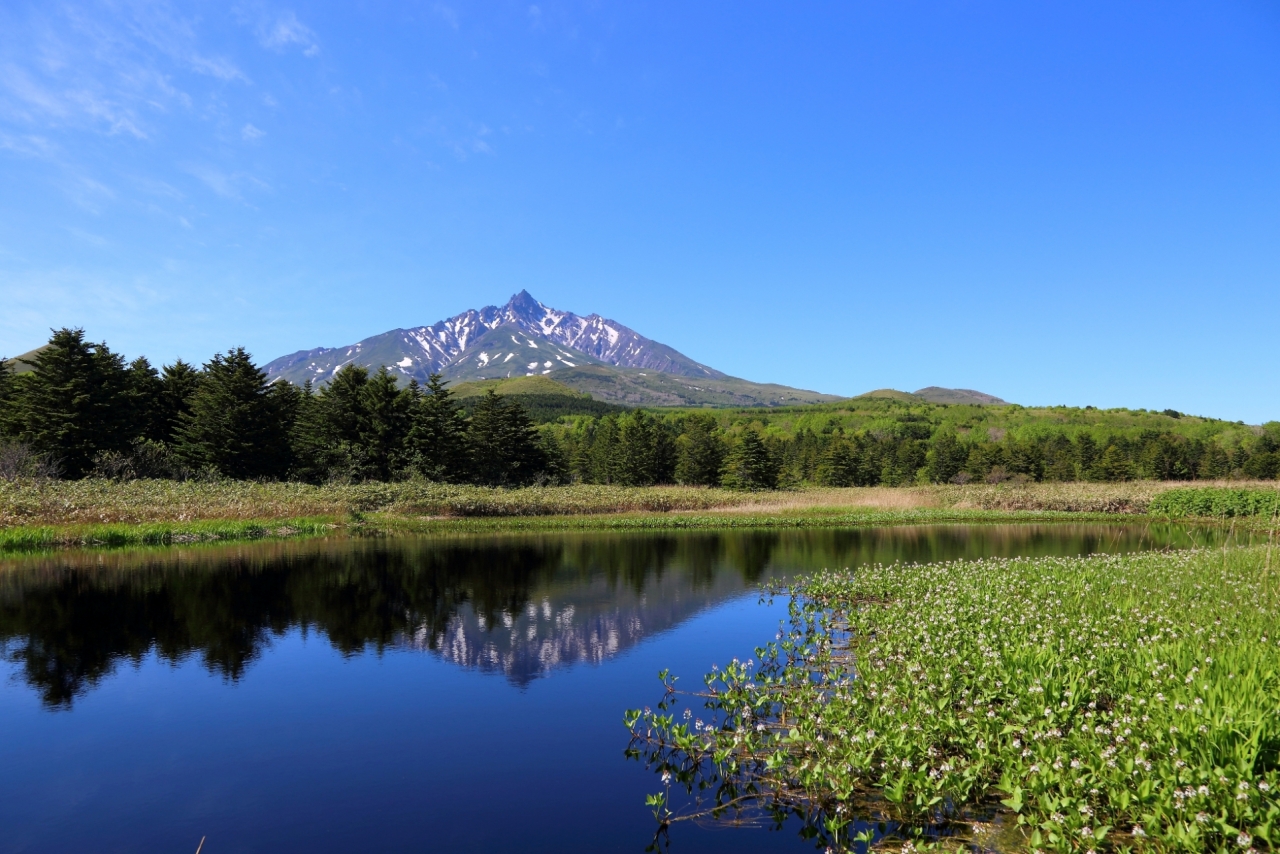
459 693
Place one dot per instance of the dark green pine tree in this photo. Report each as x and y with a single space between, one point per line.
327 433
385 425
178 383
436 447
1113 466
839 463
946 457
237 425
8 385
558 463
604 453
146 401
1086 455
700 452
749 465
73 404
634 459
504 445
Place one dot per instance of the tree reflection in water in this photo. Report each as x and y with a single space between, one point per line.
520 606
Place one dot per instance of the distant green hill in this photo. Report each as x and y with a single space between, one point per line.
17 364
888 394
937 394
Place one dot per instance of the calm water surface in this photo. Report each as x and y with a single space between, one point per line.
432 694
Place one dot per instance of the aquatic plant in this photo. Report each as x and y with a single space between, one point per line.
1218 502
1104 703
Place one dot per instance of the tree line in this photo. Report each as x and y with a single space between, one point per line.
80 410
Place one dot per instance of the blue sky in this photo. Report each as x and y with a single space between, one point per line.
1065 202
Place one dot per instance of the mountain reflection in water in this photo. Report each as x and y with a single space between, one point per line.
516 605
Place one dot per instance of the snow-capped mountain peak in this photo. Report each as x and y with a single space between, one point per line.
455 348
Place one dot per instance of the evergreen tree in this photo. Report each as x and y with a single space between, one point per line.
385 425
1060 459
237 425
700 452
839 464
605 451
74 403
146 403
327 435
559 467
1240 461
437 442
1086 454
946 457
178 383
1113 466
749 465
1214 464
8 385
637 459
505 450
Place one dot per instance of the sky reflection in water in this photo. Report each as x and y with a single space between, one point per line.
446 694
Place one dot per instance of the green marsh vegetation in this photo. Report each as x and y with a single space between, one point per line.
1048 704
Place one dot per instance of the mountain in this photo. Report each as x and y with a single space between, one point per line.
523 337
589 354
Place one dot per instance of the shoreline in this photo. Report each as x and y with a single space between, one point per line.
22 540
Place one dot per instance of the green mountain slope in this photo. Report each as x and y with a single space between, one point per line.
632 387
545 399
16 363
937 394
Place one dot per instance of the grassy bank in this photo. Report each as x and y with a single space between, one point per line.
1106 703
37 537
37 502
38 514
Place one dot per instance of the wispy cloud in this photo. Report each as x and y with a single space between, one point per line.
228 185
112 67
87 193
250 133
281 30
446 13
28 145
89 237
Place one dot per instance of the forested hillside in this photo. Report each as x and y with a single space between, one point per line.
79 410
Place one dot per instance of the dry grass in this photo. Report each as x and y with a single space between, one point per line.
1132 497
44 502
97 502
870 497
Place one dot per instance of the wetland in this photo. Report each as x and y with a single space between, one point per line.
450 692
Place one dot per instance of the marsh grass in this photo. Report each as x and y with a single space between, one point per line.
1103 703
115 535
98 501
39 513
